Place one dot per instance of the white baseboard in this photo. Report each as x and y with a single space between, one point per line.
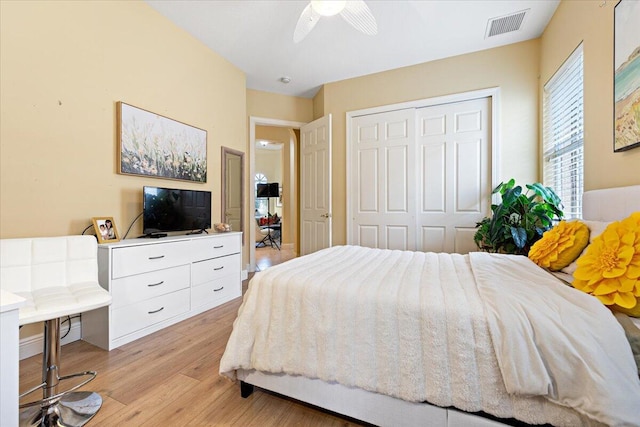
245 273
32 345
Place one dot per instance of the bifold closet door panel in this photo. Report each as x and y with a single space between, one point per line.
454 181
383 187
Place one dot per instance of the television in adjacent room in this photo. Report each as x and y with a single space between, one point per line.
171 209
271 189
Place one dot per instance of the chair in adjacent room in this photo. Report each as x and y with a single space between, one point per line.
266 235
262 236
58 276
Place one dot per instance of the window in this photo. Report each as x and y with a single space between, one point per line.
262 205
563 134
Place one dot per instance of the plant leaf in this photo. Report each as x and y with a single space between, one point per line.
519 235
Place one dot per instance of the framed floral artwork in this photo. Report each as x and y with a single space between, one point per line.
157 146
627 75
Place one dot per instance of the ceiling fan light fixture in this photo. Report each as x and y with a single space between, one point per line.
328 7
355 12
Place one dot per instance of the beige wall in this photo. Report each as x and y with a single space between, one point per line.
281 107
318 104
587 21
64 66
513 68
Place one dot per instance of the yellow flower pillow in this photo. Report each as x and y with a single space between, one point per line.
560 246
610 267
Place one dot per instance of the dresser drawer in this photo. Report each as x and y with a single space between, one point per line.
212 269
223 289
131 318
144 258
213 247
132 289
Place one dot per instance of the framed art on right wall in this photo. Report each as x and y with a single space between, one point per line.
626 41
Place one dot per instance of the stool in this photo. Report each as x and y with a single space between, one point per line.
58 276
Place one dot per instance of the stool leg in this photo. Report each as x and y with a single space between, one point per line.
51 358
73 409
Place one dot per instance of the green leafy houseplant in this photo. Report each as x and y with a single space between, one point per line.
519 220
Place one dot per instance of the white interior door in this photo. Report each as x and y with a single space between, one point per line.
382 193
315 185
454 149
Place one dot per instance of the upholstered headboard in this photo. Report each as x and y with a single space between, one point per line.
610 204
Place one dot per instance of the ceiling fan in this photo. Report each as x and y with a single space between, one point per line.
355 12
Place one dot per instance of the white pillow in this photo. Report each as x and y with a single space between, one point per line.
596 228
566 278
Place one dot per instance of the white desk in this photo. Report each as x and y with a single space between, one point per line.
9 362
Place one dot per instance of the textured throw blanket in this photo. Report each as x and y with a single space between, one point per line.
412 325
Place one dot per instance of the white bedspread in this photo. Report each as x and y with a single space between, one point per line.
412 325
549 347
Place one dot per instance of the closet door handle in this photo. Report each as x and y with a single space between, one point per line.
219 268
156 257
156 311
219 289
155 284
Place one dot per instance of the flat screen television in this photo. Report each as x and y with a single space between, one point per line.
267 190
171 209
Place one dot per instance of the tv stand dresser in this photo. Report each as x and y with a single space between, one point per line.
155 283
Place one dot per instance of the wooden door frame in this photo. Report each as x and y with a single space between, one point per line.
492 93
251 230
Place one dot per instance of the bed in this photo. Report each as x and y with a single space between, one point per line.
474 352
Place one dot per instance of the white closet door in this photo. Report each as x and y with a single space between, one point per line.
454 149
383 181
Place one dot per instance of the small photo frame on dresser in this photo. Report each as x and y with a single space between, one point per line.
105 228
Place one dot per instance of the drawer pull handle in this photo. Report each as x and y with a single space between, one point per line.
156 311
219 268
218 247
219 289
155 284
156 257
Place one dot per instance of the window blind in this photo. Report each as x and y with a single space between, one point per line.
563 134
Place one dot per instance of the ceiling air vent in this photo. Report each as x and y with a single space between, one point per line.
505 24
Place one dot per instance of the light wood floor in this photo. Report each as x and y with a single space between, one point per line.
268 256
170 378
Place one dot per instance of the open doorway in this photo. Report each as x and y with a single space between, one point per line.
285 134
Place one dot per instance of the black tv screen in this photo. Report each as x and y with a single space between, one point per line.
170 209
268 190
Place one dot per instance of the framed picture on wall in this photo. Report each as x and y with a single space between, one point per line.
626 75
157 146
105 228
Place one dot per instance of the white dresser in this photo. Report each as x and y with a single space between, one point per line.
9 361
156 283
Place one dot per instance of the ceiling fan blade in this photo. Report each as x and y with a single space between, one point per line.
358 14
308 19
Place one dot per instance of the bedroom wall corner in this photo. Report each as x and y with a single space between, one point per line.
591 22
281 107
